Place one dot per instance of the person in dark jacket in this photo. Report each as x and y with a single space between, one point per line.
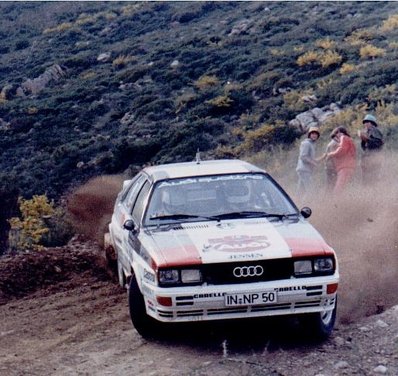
371 143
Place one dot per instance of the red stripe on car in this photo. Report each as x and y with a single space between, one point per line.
302 247
180 256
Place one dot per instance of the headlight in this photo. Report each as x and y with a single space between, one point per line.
302 267
323 265
190 276
316 266
173 277
168 277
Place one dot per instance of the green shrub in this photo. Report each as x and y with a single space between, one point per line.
266 136
40 224
187 16
60 229
133 74
4 49
21 45
205 82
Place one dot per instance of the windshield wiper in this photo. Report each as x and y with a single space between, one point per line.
240 214
282 215
180 216
253 214
229 215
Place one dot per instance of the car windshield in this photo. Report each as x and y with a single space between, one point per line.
215 198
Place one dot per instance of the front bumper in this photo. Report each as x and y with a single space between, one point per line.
202 303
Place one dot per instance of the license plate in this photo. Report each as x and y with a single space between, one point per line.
248 299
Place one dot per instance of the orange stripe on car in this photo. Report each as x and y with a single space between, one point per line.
302 247
180 256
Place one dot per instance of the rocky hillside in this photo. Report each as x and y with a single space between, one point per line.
88 88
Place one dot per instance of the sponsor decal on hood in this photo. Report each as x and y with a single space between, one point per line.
237 243
220 242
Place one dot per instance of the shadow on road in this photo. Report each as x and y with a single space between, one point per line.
240 336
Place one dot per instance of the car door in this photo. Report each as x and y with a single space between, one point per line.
122 212
134 245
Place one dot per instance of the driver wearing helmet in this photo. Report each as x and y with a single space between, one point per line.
238 196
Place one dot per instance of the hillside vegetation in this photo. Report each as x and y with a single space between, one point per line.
92 88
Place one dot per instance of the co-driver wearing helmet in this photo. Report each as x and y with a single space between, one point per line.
173 201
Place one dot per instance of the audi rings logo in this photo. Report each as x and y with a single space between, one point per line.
248 271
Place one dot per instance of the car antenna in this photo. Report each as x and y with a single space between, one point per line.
197 157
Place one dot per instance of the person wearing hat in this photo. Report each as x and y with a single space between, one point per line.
306 161
371 144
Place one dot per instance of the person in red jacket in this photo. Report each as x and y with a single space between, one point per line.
344 158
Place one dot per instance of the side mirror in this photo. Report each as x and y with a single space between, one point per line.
129 225
306 212
126 183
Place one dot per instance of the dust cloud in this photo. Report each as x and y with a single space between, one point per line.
361 225
91 205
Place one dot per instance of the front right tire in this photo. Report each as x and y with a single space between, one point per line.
320 325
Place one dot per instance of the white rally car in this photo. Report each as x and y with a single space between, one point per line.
215 240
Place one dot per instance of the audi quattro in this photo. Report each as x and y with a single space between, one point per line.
215 240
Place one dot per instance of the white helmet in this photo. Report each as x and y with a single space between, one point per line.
173 200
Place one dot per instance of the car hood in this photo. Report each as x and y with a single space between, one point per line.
233 241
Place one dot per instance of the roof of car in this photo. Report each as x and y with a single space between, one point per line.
201 168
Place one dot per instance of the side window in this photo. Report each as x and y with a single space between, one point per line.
126 189
131 195
275 199
140 202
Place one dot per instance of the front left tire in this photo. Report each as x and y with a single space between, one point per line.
145 325
120 274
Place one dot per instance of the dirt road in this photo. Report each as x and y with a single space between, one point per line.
61 314
71 319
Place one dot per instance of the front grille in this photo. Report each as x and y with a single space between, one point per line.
273 270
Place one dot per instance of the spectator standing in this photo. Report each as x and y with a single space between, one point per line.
306 161
344 159
371 144
330 168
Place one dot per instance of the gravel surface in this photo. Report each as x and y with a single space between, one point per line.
71 318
